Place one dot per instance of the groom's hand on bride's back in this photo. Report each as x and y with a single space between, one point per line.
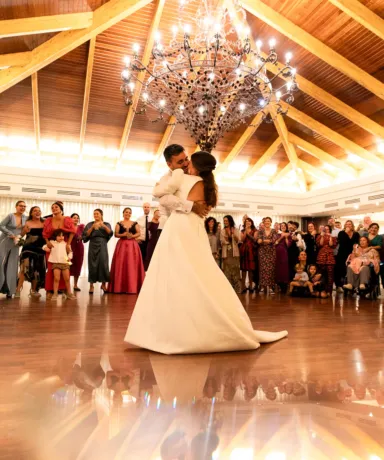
200 208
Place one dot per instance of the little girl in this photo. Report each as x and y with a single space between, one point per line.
61 263
317 282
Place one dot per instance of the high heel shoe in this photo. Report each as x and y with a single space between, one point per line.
91 292
105 290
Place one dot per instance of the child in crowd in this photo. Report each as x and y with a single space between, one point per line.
316 281
301 279
61 263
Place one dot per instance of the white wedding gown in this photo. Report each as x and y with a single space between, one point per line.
186 304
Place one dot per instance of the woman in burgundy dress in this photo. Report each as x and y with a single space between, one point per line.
247 254
57 221
77 246
153 237
267 256
127 271
325 257
282 244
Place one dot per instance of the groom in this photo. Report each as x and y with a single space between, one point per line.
175 158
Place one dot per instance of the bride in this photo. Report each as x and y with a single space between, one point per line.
186 304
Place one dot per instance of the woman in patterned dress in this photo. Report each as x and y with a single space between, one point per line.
267 256
247 254
325 257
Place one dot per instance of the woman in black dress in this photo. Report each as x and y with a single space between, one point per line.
98 233
153 237
347 238
32 257
310 243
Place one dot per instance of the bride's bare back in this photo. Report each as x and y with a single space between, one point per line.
197 192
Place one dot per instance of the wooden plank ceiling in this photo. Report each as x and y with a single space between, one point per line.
61 86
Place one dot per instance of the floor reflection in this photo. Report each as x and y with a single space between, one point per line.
140 405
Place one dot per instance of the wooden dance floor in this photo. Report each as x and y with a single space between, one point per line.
71 389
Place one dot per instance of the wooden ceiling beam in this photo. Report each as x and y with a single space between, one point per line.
332 102
164 142
36 111
280 174
141 76
315 172
240 144
87 92
45 24
313 45
14 59
267 155
104 17
333 136
289 148
360 13
322 155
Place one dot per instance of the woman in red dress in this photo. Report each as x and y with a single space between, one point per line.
127 271
77 246
325 257
57 221
247 254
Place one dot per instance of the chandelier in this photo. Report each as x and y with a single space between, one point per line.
209 77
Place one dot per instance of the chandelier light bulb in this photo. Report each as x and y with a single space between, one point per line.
136 48
181 107
185 73
187 28
162 103
174 29
157 36
201 109
259 44
247 31
293 71
288 57
380 146
238 71
239 29
131 86
278 95
289 85
242 106
159 46
145 96
165 63
262 102
127 60
217 27
211 76
272 43
125 74
222 109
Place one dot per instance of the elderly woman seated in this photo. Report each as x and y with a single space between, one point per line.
360 261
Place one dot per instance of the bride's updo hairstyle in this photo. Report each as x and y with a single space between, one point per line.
205 164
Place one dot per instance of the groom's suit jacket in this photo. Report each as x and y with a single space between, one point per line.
167 201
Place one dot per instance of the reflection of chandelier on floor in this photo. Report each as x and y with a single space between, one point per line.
210 81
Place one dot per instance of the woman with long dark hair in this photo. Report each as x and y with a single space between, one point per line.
310 243
211 227
282 244
186 304
98 233
77 246
230 238
127 270
347 239
32 257
248 254
325 257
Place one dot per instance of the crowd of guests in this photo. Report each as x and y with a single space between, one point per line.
284 258
52 251
267 258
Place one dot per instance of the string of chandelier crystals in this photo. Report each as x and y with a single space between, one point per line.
210 81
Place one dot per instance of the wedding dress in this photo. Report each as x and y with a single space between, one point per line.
186 304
